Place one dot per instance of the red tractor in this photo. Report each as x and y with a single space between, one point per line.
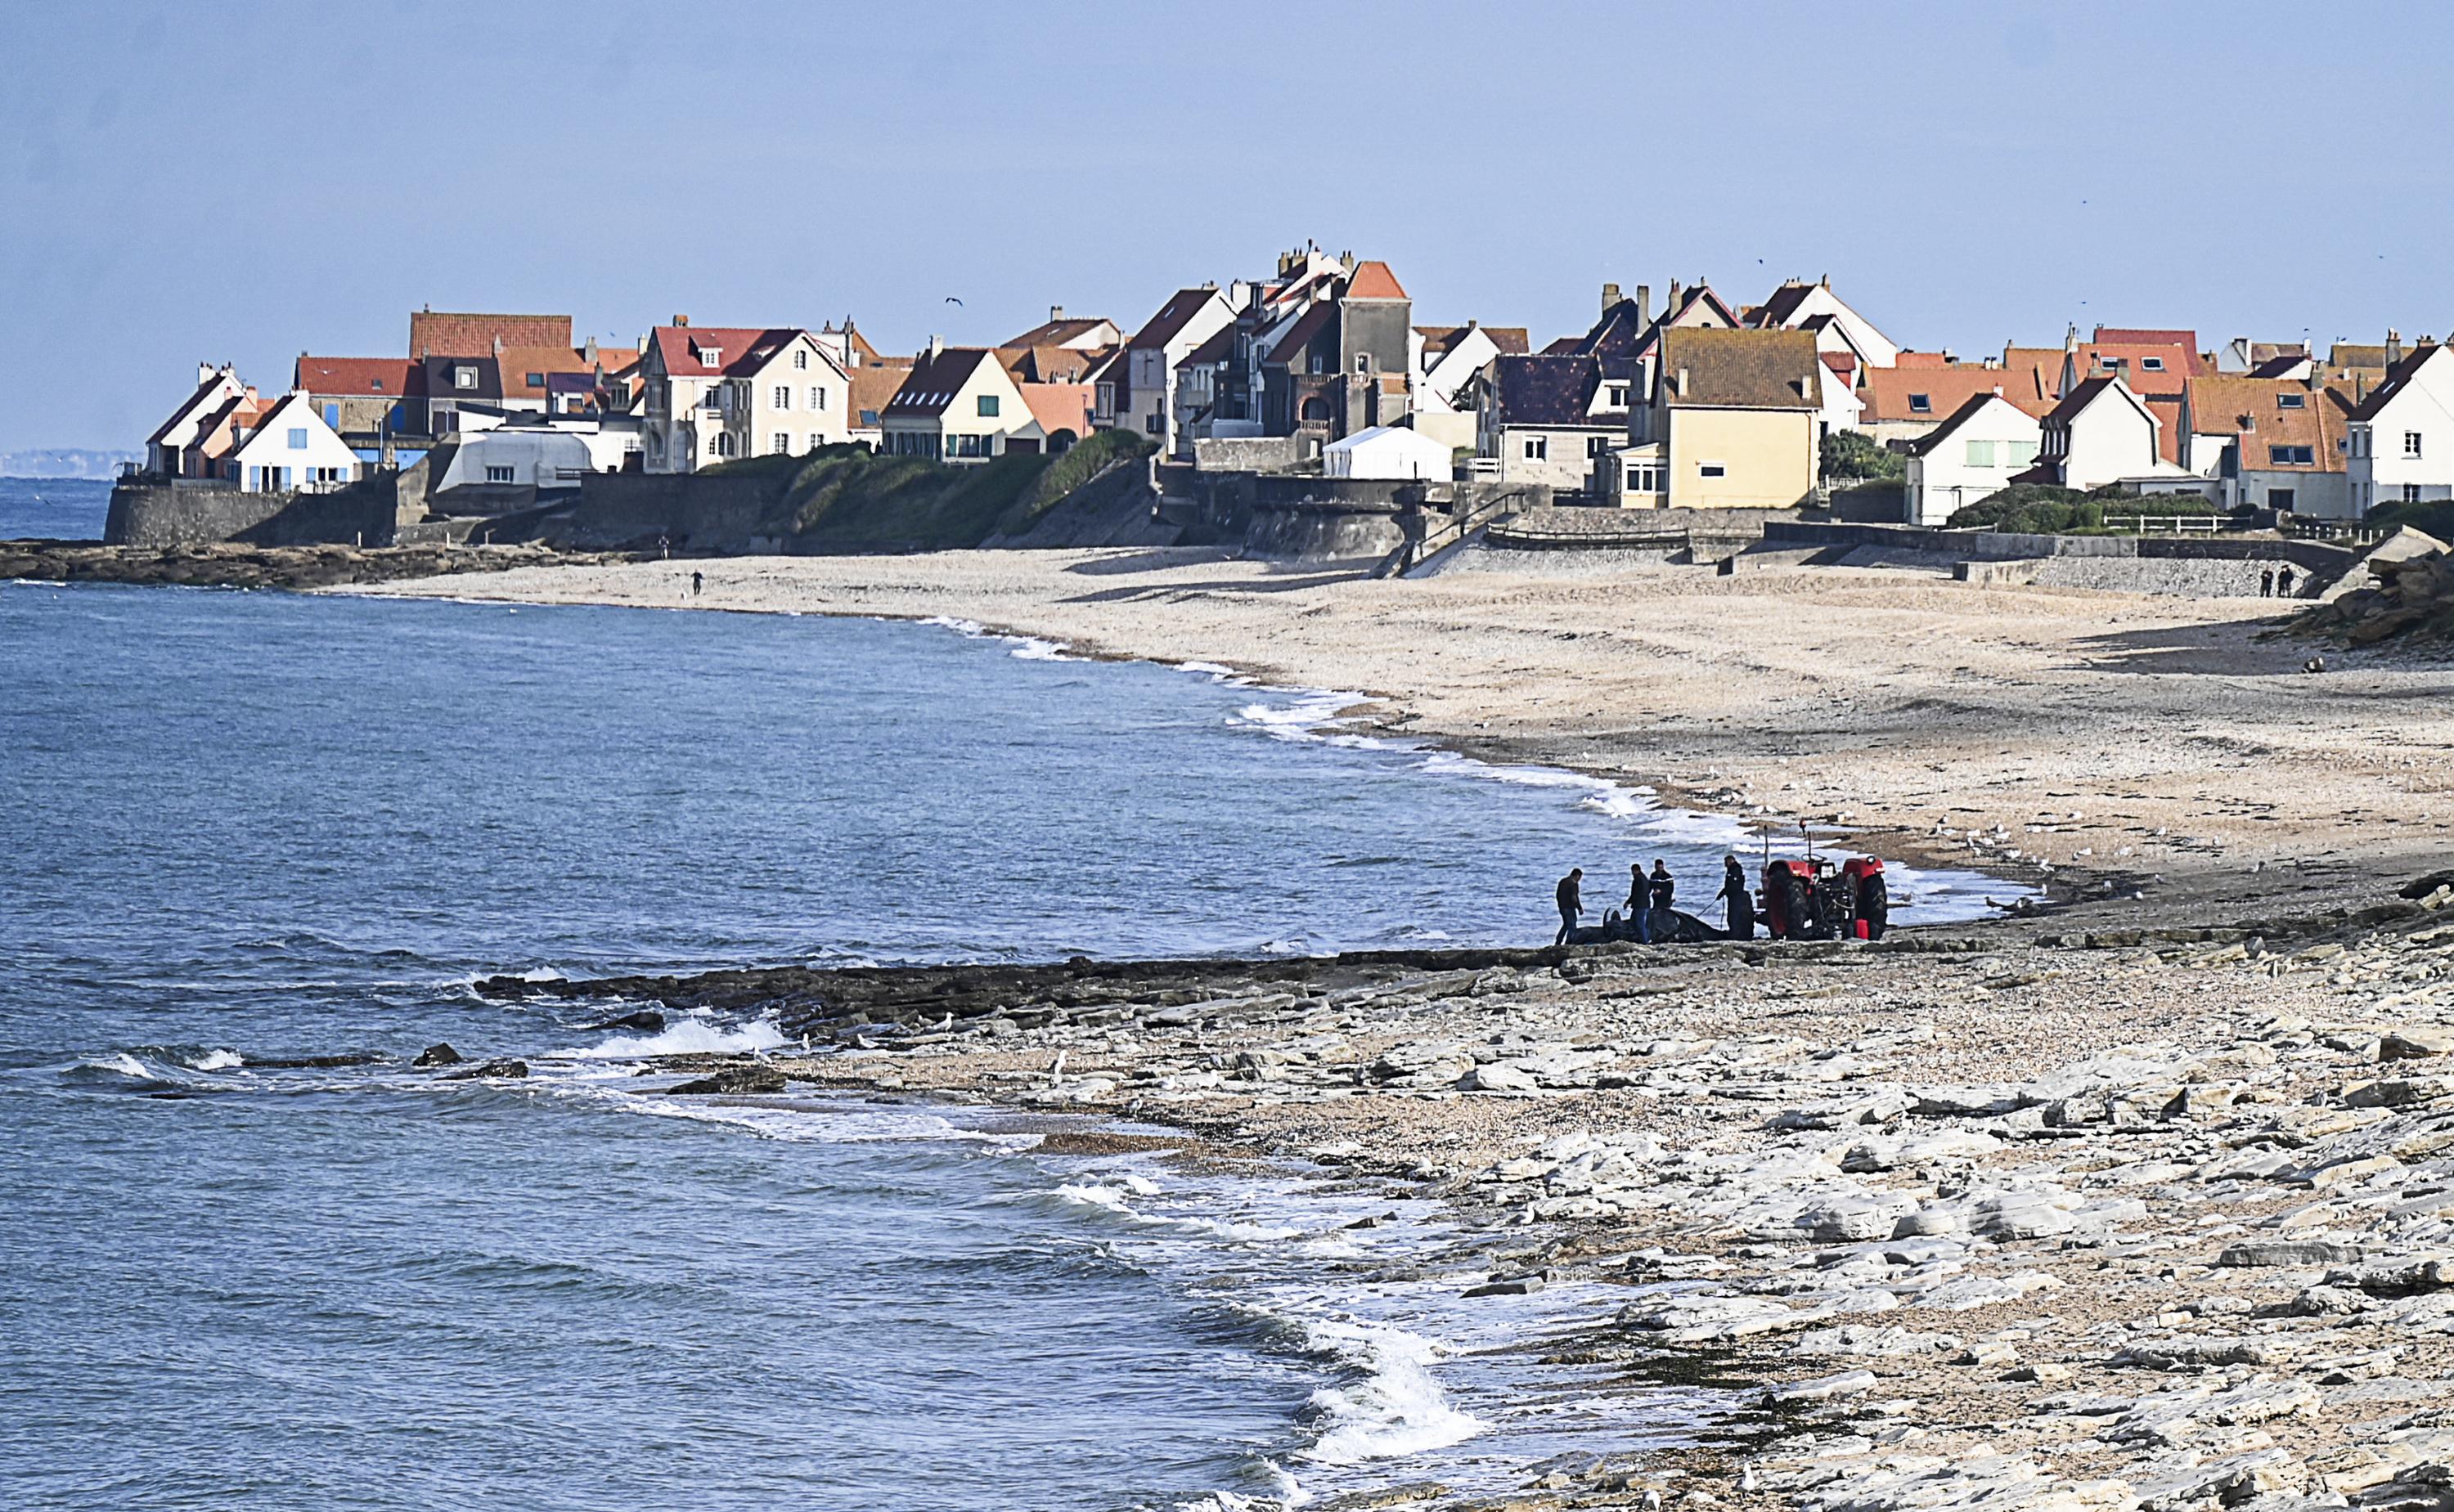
1814 900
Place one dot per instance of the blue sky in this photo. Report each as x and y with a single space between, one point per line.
247 180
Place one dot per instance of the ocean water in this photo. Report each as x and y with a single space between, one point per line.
251 831
54 508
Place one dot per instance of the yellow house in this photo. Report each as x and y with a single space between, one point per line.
1733 422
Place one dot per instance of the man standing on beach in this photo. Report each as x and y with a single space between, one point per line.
1665 886
1742 915
2283 583
1640 903
2266 584
1572 902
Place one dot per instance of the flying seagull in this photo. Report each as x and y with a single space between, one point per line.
952 300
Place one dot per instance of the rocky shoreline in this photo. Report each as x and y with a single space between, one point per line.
229 565
2067 1212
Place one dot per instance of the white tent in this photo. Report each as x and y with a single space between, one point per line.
1387 451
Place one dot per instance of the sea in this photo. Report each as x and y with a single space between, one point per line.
261 844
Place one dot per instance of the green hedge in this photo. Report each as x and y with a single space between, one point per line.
2042 508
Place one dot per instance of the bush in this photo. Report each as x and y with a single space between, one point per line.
1088 458
2437 518
1852 454
2042 508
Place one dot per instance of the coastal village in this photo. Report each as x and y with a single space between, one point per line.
1691 405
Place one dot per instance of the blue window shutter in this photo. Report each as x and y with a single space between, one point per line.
332 416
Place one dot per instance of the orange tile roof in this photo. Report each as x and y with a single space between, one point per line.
1373 280
1888 391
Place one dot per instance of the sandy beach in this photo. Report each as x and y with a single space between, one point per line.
2143 741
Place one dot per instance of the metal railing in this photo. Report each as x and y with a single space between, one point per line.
2164 523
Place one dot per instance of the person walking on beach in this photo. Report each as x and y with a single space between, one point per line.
1572 902
2266 584
1640 903
697 581
1742 915
2283 583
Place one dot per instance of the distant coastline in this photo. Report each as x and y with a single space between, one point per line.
54 463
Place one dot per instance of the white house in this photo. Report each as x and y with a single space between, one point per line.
1801 306
215 388
1139 387
1976 451
289 448
1388 451
960 405
2402 436
2100 432
709 394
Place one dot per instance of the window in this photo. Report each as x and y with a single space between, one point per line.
1363 362
2019 454
2411 493
2108 364
818 397
2290 456
1920 404
536 380
2289 401
1537 448
988 406
2280 498
783 442
332 416
1980 453
298 438
2152 364
495 474
1713 469
1315 408
376 383
1107 399
1317 363
711 356
816 441
1596 445
783 396
464 377
1156 422
2412 442
1618 396
800 360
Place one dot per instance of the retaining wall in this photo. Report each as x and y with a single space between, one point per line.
161 514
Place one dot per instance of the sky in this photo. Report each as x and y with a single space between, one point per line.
243 182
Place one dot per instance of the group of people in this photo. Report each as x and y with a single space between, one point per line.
2271 583
1657 894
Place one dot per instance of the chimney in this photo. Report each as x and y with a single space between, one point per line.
1056 312
1672 308
937 344
1610 297
204 374
2393 347
681 320
1825 281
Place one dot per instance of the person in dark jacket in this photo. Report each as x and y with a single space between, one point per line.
1741 913
1572 902
1640 904
1665 888
2283 583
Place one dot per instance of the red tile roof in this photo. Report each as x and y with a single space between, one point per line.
389 377
1889 391
739 350
2140 336
1373 280
440 333
1060 406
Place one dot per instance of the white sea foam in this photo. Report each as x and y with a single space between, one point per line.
692 1036
1026 648
1112 1198
218 1061
125 1064
1396 1409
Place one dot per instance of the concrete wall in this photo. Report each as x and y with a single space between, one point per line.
157 516
1248 453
